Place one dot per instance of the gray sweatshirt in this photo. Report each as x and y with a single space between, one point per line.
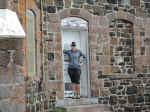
74 58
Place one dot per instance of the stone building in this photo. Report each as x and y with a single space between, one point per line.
114 35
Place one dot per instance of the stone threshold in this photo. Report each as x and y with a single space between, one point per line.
89 108
76 102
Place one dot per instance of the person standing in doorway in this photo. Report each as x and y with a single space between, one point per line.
74 68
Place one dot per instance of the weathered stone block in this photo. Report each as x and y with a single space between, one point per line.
132 99
131 90
135 3
136 82
107 70
140 99
4 92
138 109
46 105
75 11
59 3
50 56
122 101
3 4
147 90
147 97
67 3
107 84
115 70
129 109
113 100
38 107
113 90
51 9
4 78
6 106
106 100
98 10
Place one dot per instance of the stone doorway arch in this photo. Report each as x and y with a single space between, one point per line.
74 29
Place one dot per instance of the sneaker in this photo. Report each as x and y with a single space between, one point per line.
78 95
73 97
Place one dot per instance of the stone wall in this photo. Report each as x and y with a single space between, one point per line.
118 47
12 90
12 69
37 100
121 47
128 94
15 83
125 91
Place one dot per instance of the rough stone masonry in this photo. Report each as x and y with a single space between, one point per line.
119 48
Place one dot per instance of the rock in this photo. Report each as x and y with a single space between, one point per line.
131 90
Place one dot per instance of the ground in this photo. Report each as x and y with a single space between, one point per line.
89 108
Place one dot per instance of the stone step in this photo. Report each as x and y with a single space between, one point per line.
89 108
76 102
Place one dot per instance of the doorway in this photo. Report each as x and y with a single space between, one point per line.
75 29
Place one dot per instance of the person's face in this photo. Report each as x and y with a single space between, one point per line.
73 48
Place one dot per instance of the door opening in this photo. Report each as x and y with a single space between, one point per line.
75 29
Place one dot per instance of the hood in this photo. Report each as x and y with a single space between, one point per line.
10 26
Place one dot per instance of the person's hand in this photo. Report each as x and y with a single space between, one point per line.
81 63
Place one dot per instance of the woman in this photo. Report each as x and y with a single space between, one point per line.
74 68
